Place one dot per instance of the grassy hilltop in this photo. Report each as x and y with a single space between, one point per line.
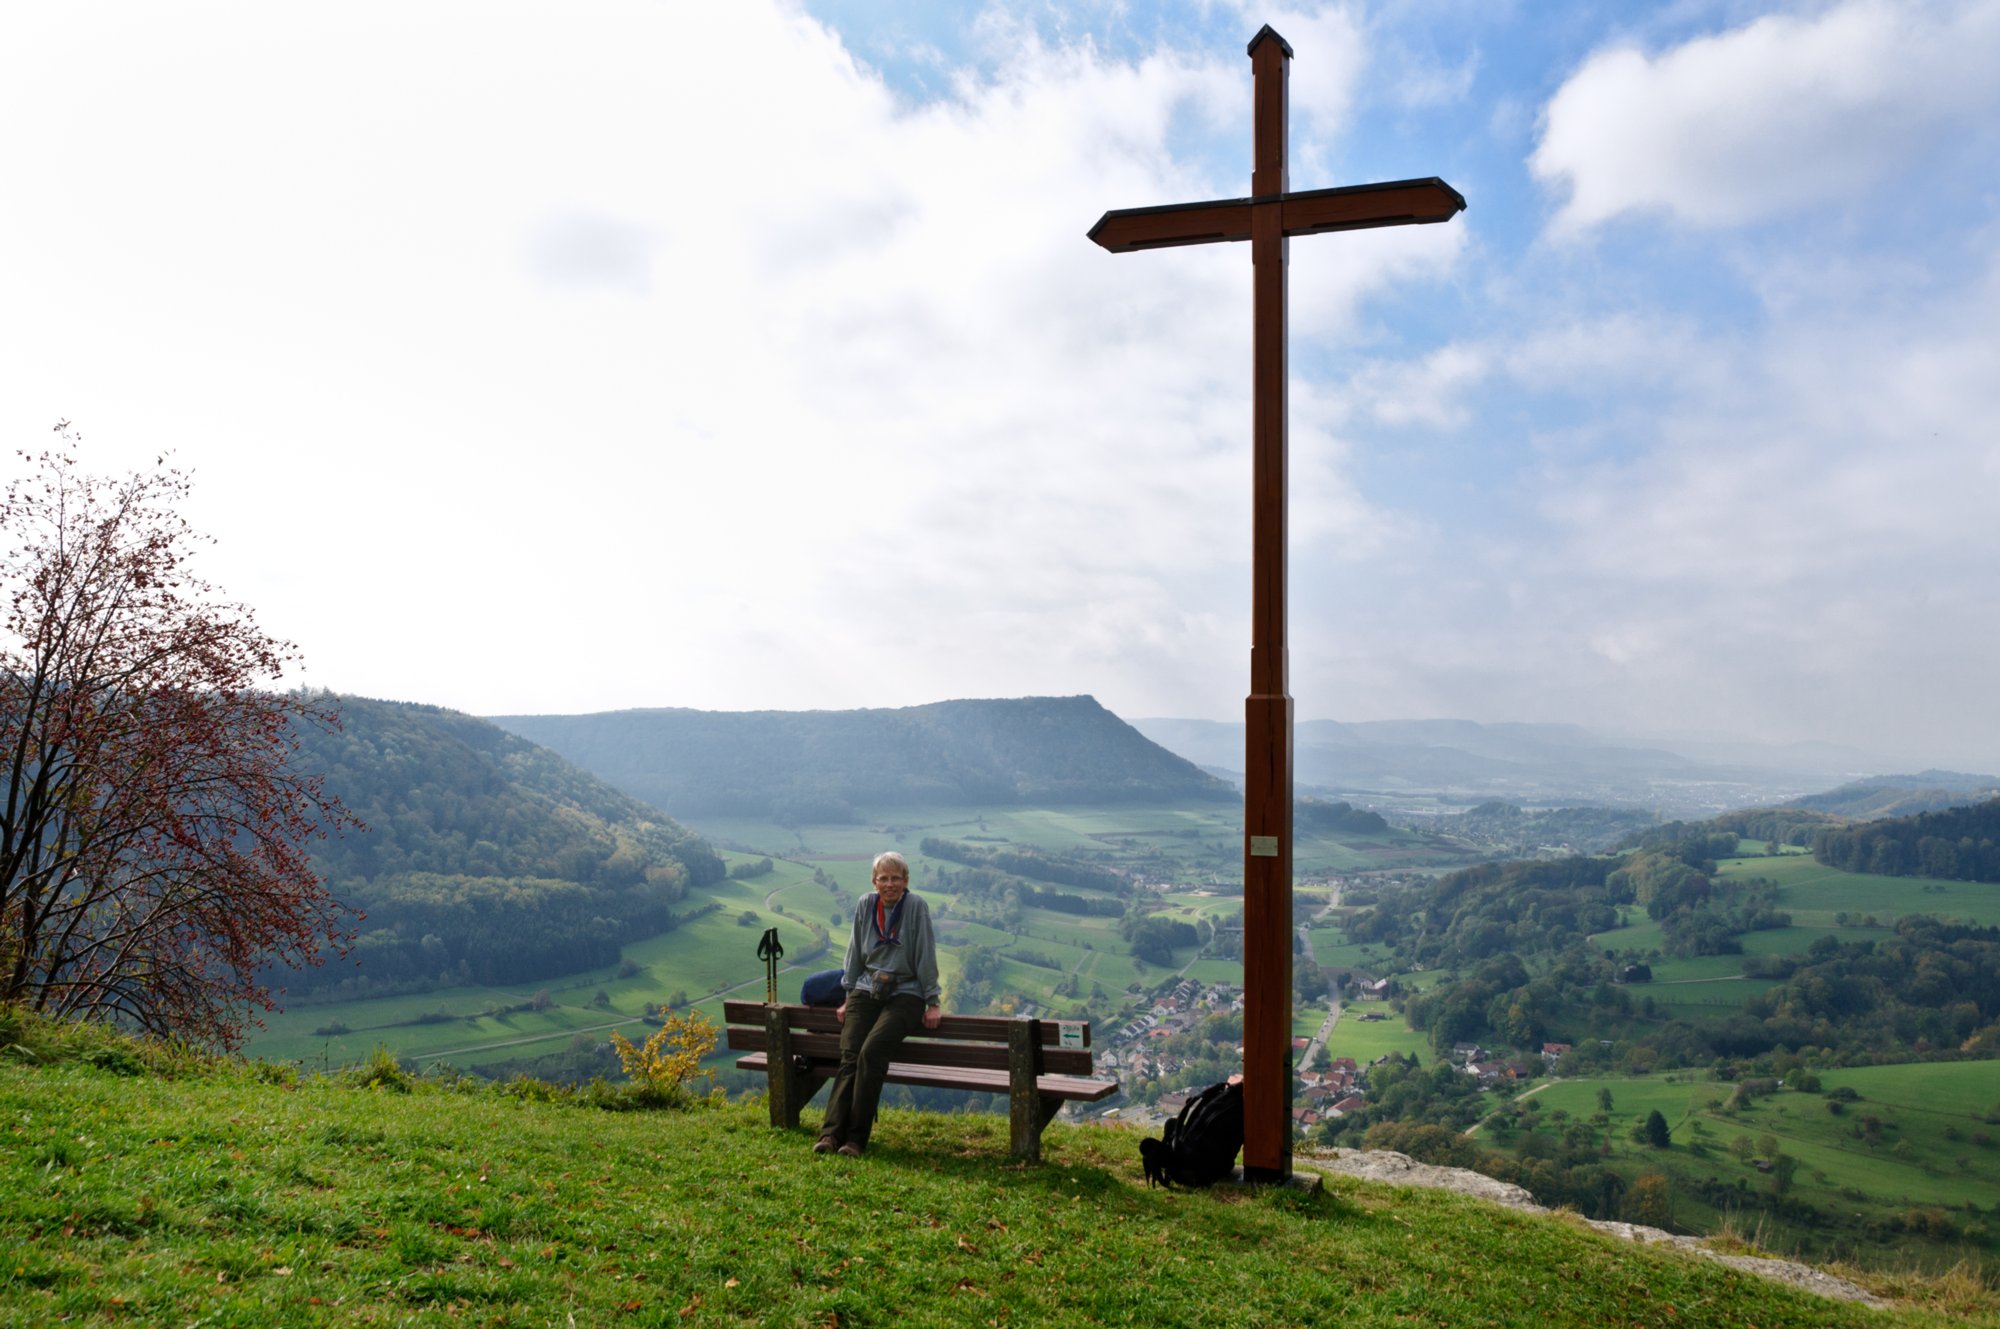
234 1193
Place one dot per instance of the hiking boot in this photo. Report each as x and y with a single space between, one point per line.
851 1150
824 1145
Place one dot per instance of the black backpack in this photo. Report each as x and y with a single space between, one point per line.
1201 1144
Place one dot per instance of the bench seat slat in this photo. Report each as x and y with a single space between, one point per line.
919 1049
1068 1087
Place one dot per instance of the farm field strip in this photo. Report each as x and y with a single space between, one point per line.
1196 843
1814 893
1913 1160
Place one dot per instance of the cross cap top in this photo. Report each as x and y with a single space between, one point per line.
1269 33
1343 208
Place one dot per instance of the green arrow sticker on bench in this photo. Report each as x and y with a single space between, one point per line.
1071 1035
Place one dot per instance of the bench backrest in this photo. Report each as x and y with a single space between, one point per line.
975 1041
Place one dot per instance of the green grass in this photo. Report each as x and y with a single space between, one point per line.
704 959
1333 951
1217 971
1813 893
220 1198
1815 896
701 958
1926 1154
1365 1040
1193 845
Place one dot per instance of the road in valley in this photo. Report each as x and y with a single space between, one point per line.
1332 992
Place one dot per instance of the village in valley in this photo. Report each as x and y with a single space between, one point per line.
1188 1035
1142 1054
1325 1088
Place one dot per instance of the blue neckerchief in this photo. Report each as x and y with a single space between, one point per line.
890 929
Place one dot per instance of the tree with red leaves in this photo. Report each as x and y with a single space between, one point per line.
153 831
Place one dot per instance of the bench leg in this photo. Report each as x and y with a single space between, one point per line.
787 1089
1025 1104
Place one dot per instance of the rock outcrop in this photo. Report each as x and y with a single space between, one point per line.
1401 1170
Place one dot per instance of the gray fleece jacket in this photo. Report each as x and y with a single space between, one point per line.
912 957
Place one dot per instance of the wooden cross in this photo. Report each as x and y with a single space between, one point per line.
1267 219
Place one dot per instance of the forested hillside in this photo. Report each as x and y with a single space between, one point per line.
821 766
486 858
1514 941
1958 844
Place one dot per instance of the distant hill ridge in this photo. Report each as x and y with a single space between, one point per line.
826 765
1527 765
1902 795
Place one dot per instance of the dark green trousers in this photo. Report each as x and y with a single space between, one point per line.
868 1039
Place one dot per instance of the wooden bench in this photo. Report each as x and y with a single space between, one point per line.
1038 1064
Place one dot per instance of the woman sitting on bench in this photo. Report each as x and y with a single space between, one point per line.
891 980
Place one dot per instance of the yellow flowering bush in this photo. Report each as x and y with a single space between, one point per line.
661 1068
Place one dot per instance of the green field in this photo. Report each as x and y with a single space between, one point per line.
701 959
1332 951
1192 849
1814 894
1366 1040
1816 897
1921 1139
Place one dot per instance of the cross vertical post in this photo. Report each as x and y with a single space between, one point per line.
1267 219
1267 712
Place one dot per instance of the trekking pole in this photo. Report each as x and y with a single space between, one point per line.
770 952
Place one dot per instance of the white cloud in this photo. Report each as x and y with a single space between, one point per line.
538 361
1795 543
530 361
581 249
1785 112
1428 391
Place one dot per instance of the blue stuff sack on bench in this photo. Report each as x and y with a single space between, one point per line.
822 989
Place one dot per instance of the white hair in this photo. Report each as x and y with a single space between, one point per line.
890 859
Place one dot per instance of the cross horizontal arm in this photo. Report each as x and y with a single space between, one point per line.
1398 203
1128 229
1347 208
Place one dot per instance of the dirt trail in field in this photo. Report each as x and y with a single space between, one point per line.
1473 1129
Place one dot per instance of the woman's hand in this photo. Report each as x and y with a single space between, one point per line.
840 1012
933 1016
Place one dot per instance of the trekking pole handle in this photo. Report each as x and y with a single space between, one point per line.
770 951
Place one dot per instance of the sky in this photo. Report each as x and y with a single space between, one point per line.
555 358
